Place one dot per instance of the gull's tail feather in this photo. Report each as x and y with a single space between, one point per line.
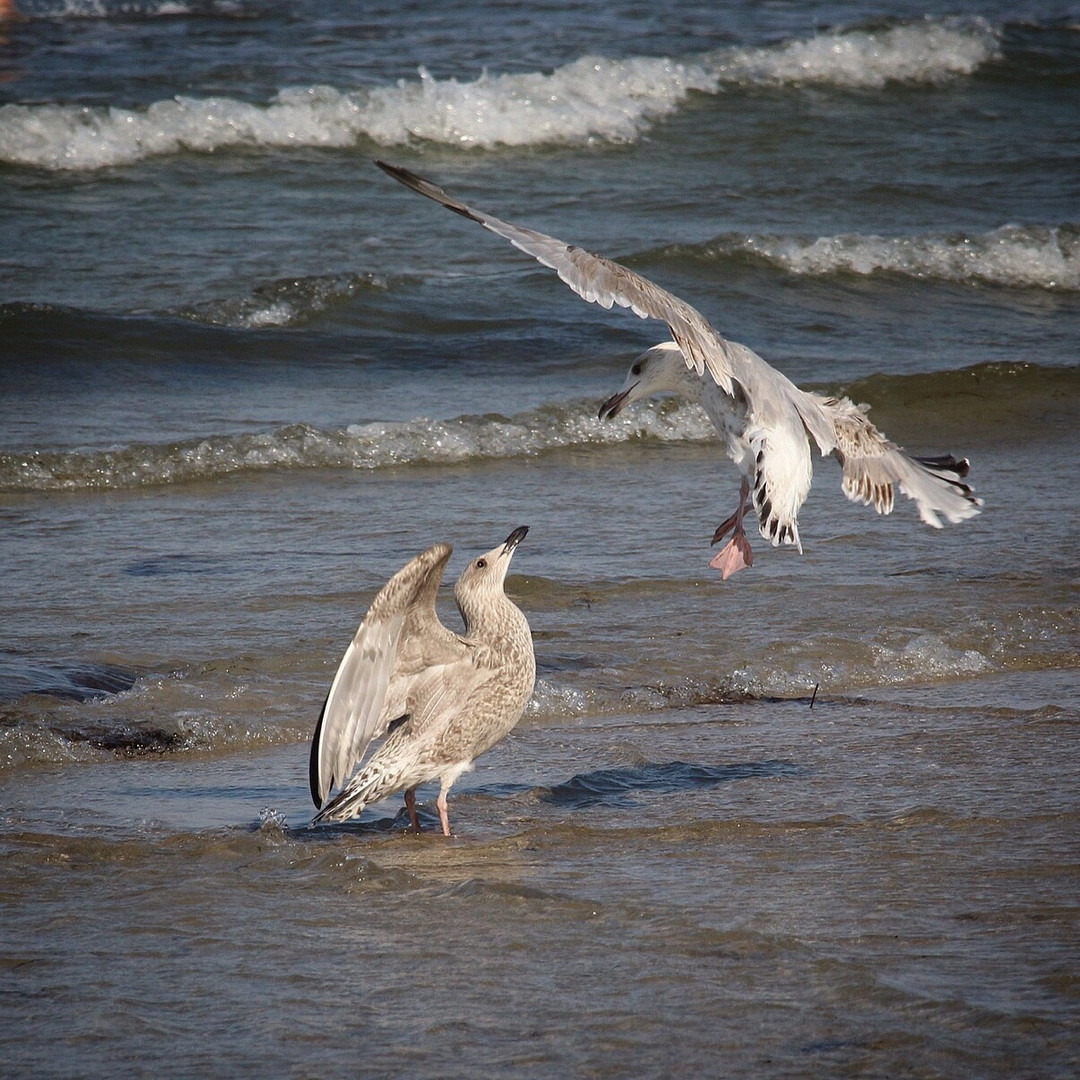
947 463
782 477
367 787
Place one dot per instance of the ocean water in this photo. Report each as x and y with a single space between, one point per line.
822 819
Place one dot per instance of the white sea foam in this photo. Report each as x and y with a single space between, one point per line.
929 657
551 700
592 98
843 666
924 52
111 9
1011 256
360 446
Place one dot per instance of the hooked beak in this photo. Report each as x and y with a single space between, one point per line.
514 539
613 406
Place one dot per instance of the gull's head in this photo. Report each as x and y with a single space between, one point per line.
659 370
484 576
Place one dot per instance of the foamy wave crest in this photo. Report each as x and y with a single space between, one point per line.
924 52
69 137
929 657
590 99
552 700
1010 257
112 9
361 446
613 100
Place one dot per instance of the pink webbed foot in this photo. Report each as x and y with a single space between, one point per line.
734 556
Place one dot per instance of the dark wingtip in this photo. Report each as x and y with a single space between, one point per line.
959 466
410 179
426 187
396 171
314 780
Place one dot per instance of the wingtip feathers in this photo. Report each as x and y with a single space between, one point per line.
423 186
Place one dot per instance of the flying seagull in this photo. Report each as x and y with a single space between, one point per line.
764 419
444 698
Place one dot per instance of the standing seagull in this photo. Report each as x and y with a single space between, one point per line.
762 416
445 698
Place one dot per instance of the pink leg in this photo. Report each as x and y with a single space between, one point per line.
736 554
444 817
410 805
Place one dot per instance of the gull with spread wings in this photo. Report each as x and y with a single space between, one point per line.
444 698
764 420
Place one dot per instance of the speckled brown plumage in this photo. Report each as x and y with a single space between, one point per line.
446 698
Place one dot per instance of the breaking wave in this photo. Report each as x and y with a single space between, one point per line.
1012 256
592 98
360 446
140 9
989 393
923 52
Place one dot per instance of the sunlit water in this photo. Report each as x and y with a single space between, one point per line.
818 820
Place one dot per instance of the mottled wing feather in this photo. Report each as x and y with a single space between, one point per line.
873 467
441 694
354 705
451 691
354 712
601 281
424 643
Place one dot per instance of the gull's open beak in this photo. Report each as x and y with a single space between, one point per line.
514 539
613 406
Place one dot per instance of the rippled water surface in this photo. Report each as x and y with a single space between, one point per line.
818 820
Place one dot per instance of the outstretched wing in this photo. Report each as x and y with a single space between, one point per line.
874 466
601 281
371 681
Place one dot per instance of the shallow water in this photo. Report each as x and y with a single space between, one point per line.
861 888
818 820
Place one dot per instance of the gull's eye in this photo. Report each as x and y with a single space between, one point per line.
481 563
636 369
